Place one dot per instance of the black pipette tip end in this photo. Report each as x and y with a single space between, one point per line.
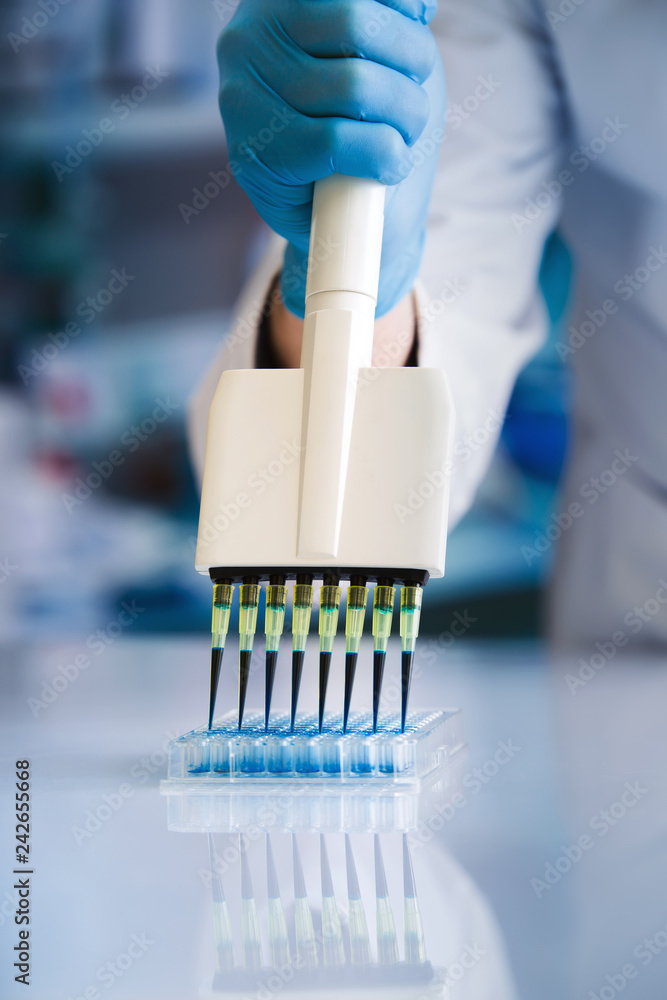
297 669
379 657
350 668
216 660
245 657
325 664
407 657
271 661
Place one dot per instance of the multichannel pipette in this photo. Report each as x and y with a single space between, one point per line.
360 504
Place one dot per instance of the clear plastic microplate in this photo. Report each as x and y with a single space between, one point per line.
225 780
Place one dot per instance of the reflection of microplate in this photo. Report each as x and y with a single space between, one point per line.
403 981
226 780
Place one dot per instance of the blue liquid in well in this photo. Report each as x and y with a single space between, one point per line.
359 753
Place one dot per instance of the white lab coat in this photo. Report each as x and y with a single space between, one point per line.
557 115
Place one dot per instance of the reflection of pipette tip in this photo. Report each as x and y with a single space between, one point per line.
271 874
380 877
387 944
360 946
327 882
306 948
413 931
278 946
299 881
333 951
408 874
351 871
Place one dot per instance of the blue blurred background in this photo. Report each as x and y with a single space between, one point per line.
115 297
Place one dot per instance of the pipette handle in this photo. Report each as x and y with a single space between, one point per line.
341 294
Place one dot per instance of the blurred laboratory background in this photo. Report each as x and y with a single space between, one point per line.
124 243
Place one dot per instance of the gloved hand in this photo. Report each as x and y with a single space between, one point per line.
313 87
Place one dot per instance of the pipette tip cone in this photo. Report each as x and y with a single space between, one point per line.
406 676
379 657
245 657
216 661
325 664
271 662
350 669
297 669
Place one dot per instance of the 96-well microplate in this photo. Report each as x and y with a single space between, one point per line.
224 754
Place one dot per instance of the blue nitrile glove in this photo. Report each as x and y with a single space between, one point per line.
313 87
